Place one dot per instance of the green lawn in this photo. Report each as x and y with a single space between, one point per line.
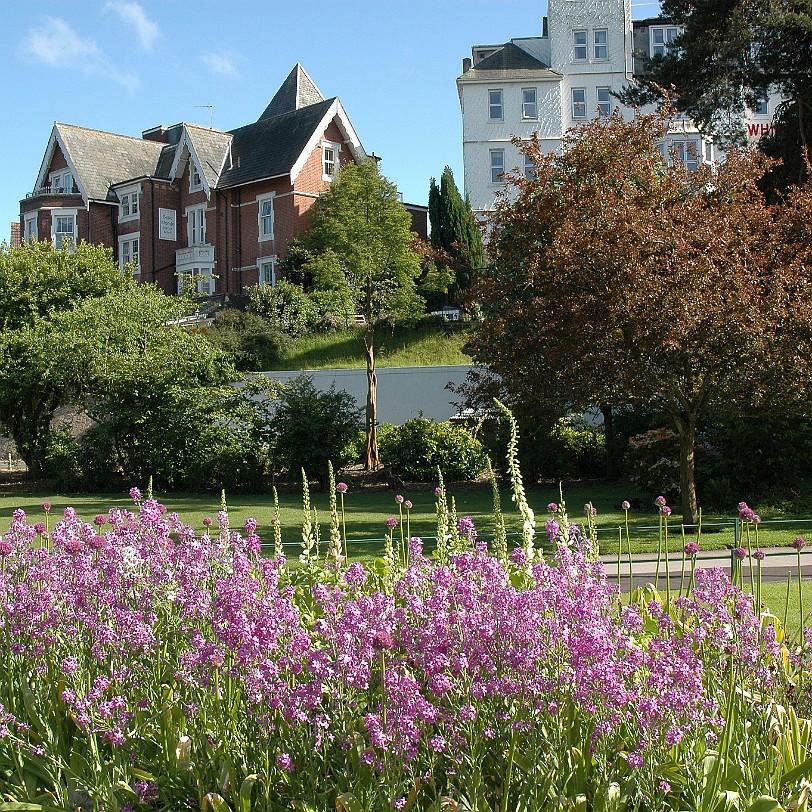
367 511
398 347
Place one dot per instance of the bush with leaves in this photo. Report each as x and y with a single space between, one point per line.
287 307
653 461
310 428
417 448
254 343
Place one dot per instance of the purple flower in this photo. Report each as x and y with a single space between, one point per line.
342 487
135 494
285 762
467 528
665 510
518 557
250 525
758 555
100 520
207 521
691 548
382 640
665 786
660 501
438 491
740 552
399 499
6 547
40 527
799 542
46 506
391 523
742 506
407 504
552 508
590 510
399 802
625 505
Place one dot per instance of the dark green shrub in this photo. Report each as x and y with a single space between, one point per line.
310 428
576 448
653 461
253 342
417 448
62 458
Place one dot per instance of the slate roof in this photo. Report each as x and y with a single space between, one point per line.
511 59
297 91
102 159
270 147
211 147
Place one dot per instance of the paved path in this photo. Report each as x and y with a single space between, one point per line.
774 567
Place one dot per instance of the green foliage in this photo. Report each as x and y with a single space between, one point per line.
454 230
420 446
310 428
251 341
653 462
575 449
38 284
285 306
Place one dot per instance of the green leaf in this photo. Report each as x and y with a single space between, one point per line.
246 788
765 804
347 802
16 806
214 803
803 770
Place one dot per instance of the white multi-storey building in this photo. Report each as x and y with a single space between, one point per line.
589 50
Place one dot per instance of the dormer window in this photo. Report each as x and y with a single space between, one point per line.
61 182
128 206
329 160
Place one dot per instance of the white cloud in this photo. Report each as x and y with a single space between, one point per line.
221 65
57 45
133 14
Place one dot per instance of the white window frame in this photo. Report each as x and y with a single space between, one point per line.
580 49
68 214
497 157
31 227
61 182
668 33
262 264
129 203
194 172
200 278
265 221
529 168
761 107
196 225
603 46
126 255
530 108
578 106
329 169
496 109
604 106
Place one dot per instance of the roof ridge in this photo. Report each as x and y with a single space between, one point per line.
104 132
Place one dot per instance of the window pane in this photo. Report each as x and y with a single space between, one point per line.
578 102
497 165
529 107
495 104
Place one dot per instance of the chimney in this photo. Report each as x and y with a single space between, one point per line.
466 64
159 134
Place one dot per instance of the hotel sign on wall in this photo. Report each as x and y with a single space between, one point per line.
756 129
167 229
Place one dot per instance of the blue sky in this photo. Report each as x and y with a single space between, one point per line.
125 66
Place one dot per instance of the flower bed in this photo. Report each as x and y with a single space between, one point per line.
151 666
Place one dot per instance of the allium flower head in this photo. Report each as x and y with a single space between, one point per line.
399 499
552 507
46 506
660 501
799 542
407 504
6 547
740 552
758 555
625 504
207 521
342 487
391 523
40 527
100 520
691 548
665 510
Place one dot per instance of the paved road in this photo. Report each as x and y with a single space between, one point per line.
774 567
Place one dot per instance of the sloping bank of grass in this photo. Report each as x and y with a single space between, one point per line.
395 347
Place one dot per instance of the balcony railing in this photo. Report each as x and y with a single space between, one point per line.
52 190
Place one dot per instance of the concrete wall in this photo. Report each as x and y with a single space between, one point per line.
403 392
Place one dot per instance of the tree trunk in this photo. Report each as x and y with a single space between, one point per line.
372 461
609 434
687 473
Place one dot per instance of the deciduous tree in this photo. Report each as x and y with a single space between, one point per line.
616 278
368 230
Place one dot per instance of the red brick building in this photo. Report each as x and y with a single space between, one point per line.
189 205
